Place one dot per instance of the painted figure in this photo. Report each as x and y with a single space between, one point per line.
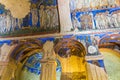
42 15
55 17
91 22
109 21
1 28
34 17
4 22
19 23
101 23
106 17
86 21
49 16
114 17
13 24
105 20
97 20
76 23
8 23
83 24
118 18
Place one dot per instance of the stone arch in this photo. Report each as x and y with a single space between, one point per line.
19 55
112 39
24 47
71 54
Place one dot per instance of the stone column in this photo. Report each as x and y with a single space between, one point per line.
64 15
48 63
48 70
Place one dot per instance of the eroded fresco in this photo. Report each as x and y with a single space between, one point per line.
41 18
98 15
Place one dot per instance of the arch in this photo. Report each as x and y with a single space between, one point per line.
110 40
71 54
110 37
70 44
20 51
24 47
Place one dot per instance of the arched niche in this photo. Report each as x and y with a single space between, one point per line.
71 55
18 57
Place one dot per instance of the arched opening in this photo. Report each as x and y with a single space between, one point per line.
111 41
71 54
18 57
25 62
32 68
109 46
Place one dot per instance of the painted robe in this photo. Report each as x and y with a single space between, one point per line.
55 17
34 17
97 19
114 16
118 19
42 17
8 25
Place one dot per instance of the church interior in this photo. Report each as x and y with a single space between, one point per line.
59 39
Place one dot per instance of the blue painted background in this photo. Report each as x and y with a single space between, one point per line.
27 25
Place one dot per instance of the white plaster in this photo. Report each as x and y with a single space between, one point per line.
64 15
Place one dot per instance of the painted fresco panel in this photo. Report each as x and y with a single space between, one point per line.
42 19
97 15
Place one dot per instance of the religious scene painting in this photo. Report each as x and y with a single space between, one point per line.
41 19
87 15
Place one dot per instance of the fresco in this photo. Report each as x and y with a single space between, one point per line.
90 41
42 18
33 64
98 15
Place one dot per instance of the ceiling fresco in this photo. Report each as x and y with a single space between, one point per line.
28 17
